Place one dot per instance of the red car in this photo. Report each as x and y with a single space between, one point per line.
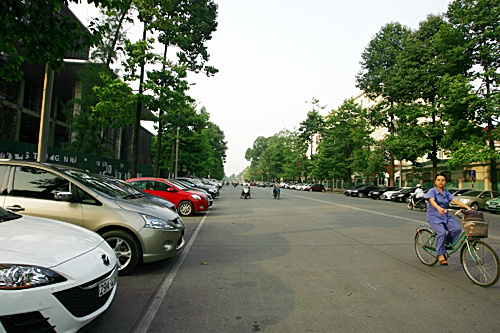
187 202
315 187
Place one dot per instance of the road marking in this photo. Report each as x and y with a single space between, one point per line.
160 293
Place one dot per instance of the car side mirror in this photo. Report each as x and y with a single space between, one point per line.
63 196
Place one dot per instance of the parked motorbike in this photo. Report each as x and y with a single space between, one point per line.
245 193
411 203
276 193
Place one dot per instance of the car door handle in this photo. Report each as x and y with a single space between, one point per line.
16 208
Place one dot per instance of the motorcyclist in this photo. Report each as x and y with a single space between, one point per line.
276 188
419 194
246 187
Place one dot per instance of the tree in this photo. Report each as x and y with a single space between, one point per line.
187 24
312 126
430 57
479 21
377 69
345 147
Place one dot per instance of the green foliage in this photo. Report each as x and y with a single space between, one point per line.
479 22
345 146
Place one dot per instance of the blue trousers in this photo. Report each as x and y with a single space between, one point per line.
454 231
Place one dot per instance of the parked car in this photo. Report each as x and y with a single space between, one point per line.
302 187
54 276
476 200
261 184
187 202
493 205
376 193
134 190
315 188
187 187
138 229
458 191
363 191
403 194
348 191
388 194
191 182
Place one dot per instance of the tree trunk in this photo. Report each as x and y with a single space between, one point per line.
159 135
137 124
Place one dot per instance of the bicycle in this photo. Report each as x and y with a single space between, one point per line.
478 259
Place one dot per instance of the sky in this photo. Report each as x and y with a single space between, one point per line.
275 56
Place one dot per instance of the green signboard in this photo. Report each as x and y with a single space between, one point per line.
95 164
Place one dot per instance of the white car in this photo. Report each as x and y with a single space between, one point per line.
54 276
387 195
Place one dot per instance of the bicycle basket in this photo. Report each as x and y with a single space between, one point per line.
475 228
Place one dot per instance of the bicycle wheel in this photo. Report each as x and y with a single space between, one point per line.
424 239
480 263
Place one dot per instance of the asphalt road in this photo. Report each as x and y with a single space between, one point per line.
309 262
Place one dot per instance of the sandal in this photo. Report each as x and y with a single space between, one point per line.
442 261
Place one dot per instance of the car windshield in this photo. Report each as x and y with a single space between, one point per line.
98 184
472 193
129 187
179 185
7 216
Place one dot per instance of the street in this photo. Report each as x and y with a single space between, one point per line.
308 262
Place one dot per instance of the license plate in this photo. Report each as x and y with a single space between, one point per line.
107 285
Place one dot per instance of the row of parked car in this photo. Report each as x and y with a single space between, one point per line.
66 234
475 199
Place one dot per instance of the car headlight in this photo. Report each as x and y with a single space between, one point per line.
157 223
21 277
401 195
196 196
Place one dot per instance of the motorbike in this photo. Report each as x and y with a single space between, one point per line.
411 203
245 193
276 193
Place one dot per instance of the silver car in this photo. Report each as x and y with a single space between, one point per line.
475 199
137 229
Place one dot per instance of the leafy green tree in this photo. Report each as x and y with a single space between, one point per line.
345 147
431 56
311 127
375 78
186 24
479 21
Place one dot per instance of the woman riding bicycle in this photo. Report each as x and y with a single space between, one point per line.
438 200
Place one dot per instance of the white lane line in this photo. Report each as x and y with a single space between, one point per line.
160 293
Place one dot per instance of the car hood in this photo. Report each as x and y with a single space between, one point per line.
146 206
43 242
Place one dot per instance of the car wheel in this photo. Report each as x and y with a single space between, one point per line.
474 206
185 208
310 190
361 195
126 249
322 190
